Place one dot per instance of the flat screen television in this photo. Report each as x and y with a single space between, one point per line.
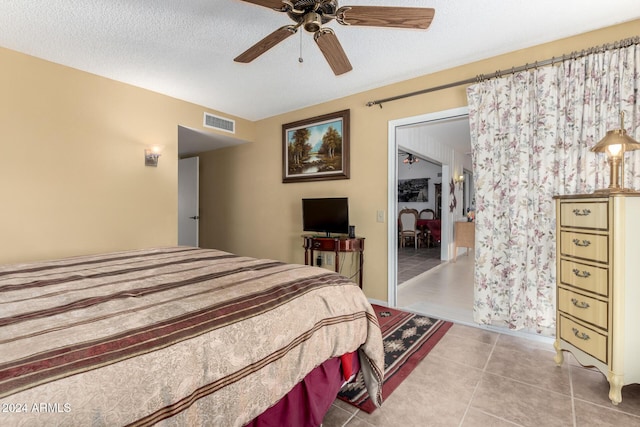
326 215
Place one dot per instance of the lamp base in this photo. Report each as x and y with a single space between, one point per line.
605 191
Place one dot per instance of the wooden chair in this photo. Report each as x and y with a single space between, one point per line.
434 228
427 214
408 226
426 234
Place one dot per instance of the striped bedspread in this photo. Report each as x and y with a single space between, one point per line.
176 336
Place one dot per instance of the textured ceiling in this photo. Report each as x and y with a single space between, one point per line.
185 49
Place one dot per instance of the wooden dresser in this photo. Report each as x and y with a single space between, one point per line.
598 285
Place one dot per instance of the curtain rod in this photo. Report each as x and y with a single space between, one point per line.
482 77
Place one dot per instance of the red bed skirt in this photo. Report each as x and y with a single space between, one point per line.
309 400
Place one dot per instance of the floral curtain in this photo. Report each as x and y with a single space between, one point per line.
531 133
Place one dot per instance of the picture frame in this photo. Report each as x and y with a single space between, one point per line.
413 190
316 149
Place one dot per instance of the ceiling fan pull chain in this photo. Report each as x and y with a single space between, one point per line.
300 60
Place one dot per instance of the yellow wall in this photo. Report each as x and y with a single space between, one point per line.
246 209
73 180
72 174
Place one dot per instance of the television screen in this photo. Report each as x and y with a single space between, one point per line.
326 215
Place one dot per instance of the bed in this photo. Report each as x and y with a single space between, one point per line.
178 336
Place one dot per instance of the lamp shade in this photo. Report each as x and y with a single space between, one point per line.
614 142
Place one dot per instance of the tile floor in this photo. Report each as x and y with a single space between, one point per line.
475 377
481 377
412 262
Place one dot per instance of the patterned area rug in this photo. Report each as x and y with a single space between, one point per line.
407 338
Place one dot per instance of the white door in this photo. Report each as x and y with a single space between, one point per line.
188 207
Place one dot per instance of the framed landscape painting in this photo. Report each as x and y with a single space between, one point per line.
413 190
316 149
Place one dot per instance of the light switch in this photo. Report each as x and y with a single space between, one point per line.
380 216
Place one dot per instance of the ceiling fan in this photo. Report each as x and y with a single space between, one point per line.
312 14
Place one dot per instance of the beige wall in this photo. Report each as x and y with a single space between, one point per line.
73 180
246 209
72 174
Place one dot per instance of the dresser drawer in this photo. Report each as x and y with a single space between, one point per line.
592 215
593 247
585 308
586 339
587 277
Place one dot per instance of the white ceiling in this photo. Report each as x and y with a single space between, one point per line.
185 49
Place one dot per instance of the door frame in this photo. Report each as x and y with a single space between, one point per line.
392 192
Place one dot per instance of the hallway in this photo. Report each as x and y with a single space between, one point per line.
444 291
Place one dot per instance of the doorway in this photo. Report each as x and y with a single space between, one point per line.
188 201
432 136
192 142
420 189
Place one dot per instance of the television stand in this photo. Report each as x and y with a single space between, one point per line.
336 245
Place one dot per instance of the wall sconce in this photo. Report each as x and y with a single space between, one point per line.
151 156
459 180
615 143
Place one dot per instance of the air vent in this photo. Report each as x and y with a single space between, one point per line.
220 123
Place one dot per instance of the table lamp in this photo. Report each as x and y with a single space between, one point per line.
615 143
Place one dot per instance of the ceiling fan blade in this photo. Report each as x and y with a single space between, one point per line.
332 51
386 16
266 43
271 4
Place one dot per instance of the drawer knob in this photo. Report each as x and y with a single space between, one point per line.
581 212
582 243
580 335
317 244
579 304
584 274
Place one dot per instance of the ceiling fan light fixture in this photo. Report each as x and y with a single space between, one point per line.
410 159
312 22
312 14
